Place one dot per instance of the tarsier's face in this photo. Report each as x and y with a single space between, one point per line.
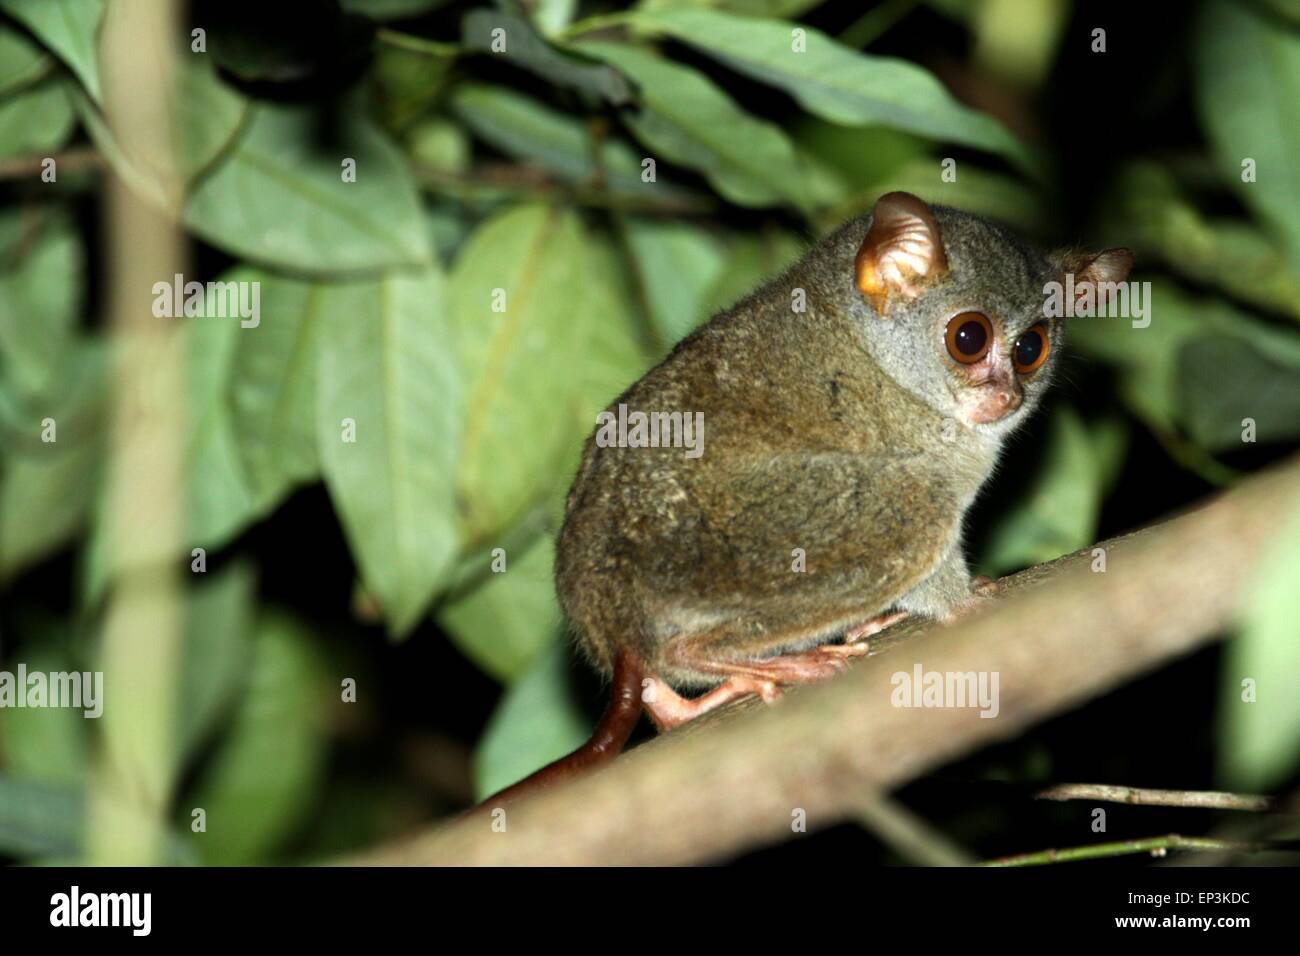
954 309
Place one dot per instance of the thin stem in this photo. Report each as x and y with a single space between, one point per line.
1156 846
1142 796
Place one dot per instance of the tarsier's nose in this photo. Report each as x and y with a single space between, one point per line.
995 404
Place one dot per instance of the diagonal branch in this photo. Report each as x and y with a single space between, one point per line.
1058 635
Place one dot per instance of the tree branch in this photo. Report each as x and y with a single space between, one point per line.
1156 846
1142 796
1058 635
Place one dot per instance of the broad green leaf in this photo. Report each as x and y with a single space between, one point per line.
42 283
1226 382
220 501
1145 357
259 785
409 74
1259 738
278 197
217 653
1152 215
688 120
36 120
388 415
46 744
752 261
504 623
552 16
522 308
537 721
757 8
69 28
39 819
391 9
510 37
526 129
976 190
678 264
1173 372
22 62
1058 512
833 81
47 488
272 391
1248 73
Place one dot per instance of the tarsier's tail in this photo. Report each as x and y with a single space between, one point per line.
610 736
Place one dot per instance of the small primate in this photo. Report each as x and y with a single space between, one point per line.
845 441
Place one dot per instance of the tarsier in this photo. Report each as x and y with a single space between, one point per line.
846 441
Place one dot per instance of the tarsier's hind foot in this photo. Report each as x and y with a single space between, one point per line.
762 677
669 709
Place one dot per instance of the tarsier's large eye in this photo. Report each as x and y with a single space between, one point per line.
969 336
1030 350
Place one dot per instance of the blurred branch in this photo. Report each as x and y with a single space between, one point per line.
1140 796
132 784
71 160
910 836
1057 635
1156 846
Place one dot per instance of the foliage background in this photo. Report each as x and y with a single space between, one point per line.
522 171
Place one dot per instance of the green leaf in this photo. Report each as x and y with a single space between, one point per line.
678 265
752 261
37 120
1152 215
219 498
536 722
39 819
833 81
1249 98
690 121
42 285
1225 380
217 653
1058 513
487 30
46 744
524 365
384 365
273 389
562 144
22 62
69 28
504 623
261 782
1259 740
757 8
47 488
279 197
391 9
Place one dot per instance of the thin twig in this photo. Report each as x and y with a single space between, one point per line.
1156 846
1143 796
910 836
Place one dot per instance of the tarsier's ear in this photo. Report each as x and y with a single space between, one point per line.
902 251
1092 269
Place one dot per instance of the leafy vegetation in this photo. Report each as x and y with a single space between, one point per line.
611 175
